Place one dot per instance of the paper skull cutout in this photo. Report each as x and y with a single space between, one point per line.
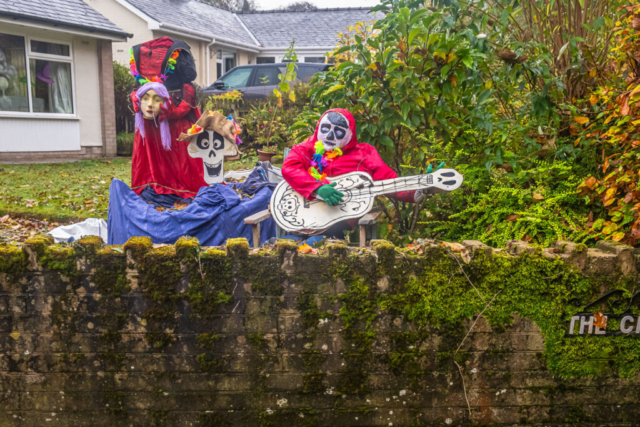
212 148
334 131
212 139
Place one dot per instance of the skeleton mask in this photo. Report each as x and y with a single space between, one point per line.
334 131
212 148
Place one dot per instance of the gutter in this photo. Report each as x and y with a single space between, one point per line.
56 23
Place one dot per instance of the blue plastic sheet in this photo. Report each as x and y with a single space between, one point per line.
216 214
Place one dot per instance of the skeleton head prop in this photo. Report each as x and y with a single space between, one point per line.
334 131
212 139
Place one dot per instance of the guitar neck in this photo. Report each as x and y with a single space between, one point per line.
395 185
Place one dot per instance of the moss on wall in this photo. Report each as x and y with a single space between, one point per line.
332 321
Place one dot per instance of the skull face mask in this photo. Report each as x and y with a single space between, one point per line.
334 131
212 148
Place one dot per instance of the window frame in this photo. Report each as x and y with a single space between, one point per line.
45 57
324 59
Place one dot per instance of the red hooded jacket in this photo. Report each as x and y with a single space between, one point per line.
356 157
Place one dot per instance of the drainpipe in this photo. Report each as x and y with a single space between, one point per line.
209 60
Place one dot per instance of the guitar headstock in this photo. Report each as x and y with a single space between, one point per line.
444 179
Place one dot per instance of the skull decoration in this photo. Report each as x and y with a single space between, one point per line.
212 139
334 131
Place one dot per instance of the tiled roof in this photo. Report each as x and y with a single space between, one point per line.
310 28
196 16
70 13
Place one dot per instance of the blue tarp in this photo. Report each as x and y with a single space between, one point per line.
216 214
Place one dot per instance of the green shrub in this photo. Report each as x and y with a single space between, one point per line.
124 142
538 205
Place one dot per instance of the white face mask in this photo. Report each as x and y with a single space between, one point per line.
334 131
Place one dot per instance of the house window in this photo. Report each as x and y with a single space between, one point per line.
314 59
35 76
266 60
14 95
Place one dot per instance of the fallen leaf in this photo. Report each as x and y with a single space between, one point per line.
306 249
512 217
581 120
538 196
600 320
15 335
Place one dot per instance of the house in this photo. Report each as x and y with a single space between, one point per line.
315 32
220 39
56 81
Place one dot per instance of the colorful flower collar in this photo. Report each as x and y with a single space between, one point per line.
321 160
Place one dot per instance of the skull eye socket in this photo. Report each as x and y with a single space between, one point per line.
325 128
340 133
203 141
218 144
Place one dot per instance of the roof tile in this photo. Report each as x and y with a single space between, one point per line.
312 28
195 16
75 13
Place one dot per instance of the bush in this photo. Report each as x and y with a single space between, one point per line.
610 122
265 120
123 84
124 142
538 205
485 87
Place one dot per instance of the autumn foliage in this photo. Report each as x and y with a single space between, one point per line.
612 121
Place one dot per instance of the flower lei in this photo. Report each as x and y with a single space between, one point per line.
321 160
194 129
171 67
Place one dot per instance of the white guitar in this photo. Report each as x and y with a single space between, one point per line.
294 213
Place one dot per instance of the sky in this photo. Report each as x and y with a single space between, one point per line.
274 4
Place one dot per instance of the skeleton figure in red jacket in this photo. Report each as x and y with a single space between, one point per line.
336 130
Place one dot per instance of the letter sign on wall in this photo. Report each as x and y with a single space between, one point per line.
589 322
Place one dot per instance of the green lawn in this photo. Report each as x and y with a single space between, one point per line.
68 191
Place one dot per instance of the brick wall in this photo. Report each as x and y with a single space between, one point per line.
107 98
49 156
141 335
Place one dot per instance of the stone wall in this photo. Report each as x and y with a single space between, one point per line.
138 335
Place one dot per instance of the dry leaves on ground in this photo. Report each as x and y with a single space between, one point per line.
18 230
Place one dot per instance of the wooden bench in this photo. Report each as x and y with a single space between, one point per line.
367 226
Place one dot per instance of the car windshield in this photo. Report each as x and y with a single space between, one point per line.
237 78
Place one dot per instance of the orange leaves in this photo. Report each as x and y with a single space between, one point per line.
623 104
306 249
593 99
600 320
581 120
589 182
